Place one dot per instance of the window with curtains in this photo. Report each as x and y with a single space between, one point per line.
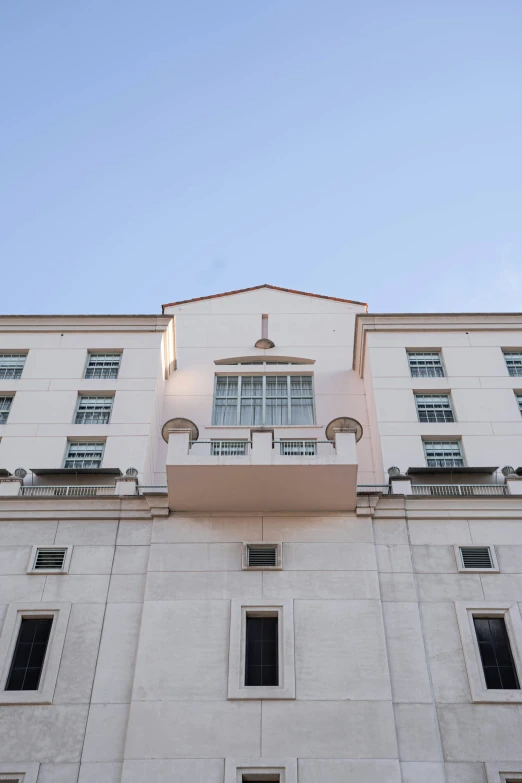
271 400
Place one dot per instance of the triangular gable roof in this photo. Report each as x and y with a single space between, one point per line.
265 285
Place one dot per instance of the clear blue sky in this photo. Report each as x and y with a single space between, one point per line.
160 150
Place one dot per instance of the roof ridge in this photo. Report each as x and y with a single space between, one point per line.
264 285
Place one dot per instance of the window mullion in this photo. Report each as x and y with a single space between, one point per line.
263 411
239 395
289 404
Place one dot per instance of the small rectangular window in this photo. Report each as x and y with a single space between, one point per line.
425 364
29 655
103 365
514 362
476 558
443 454
11 366
261 664
84 455
263 778
93 410
434 408
5 407
495 653
518 395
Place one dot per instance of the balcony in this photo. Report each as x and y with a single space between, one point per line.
261 474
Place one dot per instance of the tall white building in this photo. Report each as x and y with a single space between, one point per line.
207 573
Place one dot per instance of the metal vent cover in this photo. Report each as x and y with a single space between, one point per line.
50 558
262 556
476 557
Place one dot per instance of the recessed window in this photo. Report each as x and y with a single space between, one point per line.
270 400
103 365
434 408
261 650
11 366
84 455
298 448
495 653
513 362
261 659
476 558
29 654
93 410
253 777
5 407
518 395
425 364
443 454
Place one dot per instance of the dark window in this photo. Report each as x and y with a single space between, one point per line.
261 651
259 556
29 655
495 653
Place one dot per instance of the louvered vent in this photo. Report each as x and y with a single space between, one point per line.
476 557
50 559
262 556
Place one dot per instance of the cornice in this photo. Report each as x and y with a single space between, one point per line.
84 323
427 322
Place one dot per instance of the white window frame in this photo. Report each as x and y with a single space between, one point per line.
460 564
237 655
75 442
66 563
510 612
427 352
264 376
100 352
82 397
503 771
6 397
425 441
25 772
252 544
235 768
515 352
445 404
16 612
4 357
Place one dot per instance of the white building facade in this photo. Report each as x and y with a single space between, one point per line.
207 573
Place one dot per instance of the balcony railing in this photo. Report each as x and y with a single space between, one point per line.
305 448
367 489
66 491
452 490
219 448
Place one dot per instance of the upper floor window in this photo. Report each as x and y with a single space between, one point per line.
434 408
495 653
519 400
424 364
514 362
84 455
5 407
103 365
443 454
11 366
93 410
270 400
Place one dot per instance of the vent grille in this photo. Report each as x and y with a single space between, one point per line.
262 556
476 557
50 559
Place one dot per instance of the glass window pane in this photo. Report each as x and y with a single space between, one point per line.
495 653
